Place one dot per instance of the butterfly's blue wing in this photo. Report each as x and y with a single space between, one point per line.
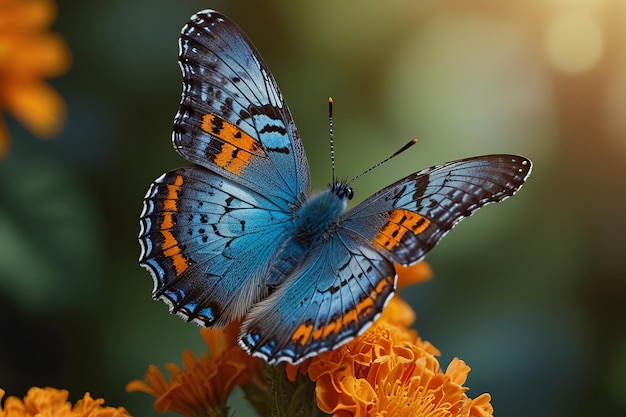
340 288
209 235
208 243
232 117
348 279
407 219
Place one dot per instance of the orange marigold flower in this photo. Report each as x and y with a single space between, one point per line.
203 385
28 55
390 371
40 402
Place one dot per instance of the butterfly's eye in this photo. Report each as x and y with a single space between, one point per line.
342 191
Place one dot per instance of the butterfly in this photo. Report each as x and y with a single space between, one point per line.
239 236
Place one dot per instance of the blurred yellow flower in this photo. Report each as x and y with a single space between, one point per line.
390 371
28 55
202 386
40 402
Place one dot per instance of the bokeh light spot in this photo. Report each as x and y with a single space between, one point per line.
574 43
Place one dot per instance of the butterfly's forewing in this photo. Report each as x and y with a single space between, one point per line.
209 235
207 243
407 219
340 288
232 117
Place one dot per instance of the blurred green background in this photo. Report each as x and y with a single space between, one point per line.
531 293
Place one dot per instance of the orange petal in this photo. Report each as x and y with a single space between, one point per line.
154 384
40 401
38 56
27 15
480 406
37 106
457 371
398 313
414 274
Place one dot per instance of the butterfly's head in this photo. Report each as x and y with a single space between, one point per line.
342 190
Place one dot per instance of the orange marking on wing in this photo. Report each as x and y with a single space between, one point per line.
399 223
305 332
172 194
238 147
170 246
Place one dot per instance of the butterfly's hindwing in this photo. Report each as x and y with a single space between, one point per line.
232 117
407 219
341 287
207 243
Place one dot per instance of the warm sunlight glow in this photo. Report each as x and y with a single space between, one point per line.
574 42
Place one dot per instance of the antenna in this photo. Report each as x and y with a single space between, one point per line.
330 132
396 153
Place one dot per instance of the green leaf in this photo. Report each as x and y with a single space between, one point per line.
257 396
292 399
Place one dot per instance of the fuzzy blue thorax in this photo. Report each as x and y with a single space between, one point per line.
316 216
314 222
